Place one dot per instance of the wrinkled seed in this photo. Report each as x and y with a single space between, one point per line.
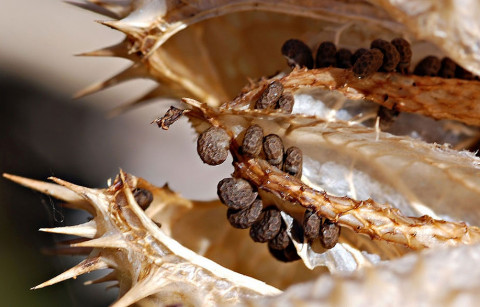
236 193
213 145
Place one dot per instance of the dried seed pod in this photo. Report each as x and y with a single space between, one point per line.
252 141
329 233
311 225
405 52
236 193
462 73
429 66
344 58
368 63
391 57
281 240
273 148
326 55
270 96
267 226
286 102
297 53
387 117
293 161
213 145
288 254
143 197
447 69
244 218
357 54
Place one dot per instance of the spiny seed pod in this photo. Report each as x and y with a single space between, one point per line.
286 102
326 55
405 52
429 66
252 141
391 57
368 63
288 254
273 148
267 226
270 96
213 145
143 197
236 193
329 233
462 73
281 240
344 58
311 225
357 54
387 117
297 53
293 161
447 69
244 218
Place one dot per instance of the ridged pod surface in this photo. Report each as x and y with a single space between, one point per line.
392 193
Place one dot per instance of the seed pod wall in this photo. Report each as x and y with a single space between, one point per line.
353 146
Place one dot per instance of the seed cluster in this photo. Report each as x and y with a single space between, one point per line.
383 56
273 97
446 68
327 231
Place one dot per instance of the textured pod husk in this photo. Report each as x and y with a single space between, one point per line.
370 182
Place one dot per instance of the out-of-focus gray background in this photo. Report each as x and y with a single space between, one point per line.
46 133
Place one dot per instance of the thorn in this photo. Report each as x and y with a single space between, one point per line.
120 50
114 241
121 26
86 230
86 266
95 8
54 190
132 72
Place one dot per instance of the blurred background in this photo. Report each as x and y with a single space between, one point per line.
44 132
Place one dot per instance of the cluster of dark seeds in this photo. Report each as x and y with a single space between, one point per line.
446 68
383 56
273 97
327 231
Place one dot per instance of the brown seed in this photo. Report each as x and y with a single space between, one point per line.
288 254
405 52
286 102
357 54
447 69
244 218
462 73
267 226
143 197
281 240
297 53
329 233
252 141
273 148
429 66
270 96
293 161
311 225
326 55
387 117
391 57
236 193
368 63
213 145
344 58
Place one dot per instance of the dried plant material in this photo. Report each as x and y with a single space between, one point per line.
435 97
173 114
